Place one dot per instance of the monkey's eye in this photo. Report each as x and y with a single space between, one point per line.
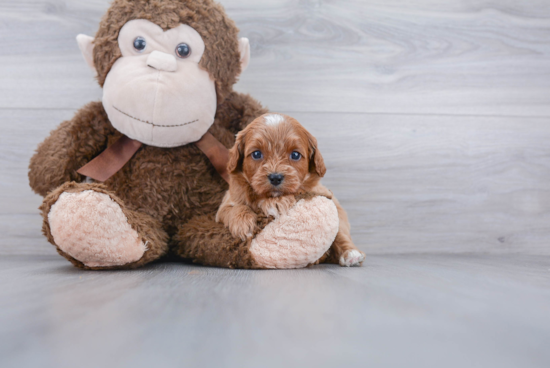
183 50
257 155
295 156
140 44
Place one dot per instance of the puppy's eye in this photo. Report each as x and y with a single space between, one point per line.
295 156
257 155
183 50
140 44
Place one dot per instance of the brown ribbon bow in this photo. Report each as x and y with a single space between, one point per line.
110 161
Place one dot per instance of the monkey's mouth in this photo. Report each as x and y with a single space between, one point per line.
153 124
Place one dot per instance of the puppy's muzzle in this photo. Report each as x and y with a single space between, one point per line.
276 179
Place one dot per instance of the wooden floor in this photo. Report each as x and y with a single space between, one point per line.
397 311
434 121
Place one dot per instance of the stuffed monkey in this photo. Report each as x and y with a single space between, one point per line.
128 180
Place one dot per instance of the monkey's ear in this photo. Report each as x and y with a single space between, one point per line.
244 50
236 155
316 162
86 46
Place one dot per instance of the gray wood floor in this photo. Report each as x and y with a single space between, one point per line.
434 120
396 311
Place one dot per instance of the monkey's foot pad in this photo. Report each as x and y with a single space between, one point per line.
92 228
298 238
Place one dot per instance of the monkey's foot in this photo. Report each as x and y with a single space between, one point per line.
299 237
92 228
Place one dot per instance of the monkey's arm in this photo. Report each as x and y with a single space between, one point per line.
70 146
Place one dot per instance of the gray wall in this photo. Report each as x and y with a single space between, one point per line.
433 118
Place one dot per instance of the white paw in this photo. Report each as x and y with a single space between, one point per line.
352 258
272 211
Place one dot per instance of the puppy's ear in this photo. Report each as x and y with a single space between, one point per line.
316 162
236 154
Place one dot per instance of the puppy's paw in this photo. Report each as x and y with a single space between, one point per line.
323 192
277 207
352 258
243 225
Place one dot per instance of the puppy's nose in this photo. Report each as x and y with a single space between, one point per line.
162 61
276 178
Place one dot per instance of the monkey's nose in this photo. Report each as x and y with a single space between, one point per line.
276 178
162 61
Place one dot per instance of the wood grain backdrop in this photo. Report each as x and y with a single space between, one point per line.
433 116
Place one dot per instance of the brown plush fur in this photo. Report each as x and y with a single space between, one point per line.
169 186
210 243
250 190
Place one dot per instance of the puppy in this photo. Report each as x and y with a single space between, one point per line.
273 159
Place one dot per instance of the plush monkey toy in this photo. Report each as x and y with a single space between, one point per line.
128 180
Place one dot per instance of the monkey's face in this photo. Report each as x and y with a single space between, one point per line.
156 92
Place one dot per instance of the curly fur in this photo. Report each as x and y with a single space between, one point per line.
276 136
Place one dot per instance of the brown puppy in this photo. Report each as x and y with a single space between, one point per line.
273 159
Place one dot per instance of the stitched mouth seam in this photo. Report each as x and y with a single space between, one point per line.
148 122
